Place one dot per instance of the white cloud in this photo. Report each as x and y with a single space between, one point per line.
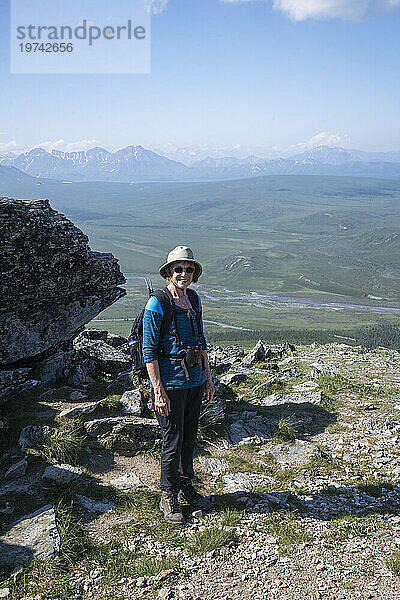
388 4
300 10
157 6
11 146
67 146
321 139
14 146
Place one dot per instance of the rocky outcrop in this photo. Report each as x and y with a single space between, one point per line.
52 282
107 358
263 352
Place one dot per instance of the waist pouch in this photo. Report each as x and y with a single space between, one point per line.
193 356
190 357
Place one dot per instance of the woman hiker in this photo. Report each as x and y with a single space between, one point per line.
180 376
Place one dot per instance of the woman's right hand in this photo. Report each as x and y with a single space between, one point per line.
161 402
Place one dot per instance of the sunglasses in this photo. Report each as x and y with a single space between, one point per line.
181 269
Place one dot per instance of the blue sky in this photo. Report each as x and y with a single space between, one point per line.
250 75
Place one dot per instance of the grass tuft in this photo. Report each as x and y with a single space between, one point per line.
230 517
73 545
241 464
111 403
149 565
288 532
347 527
44 580
210 539
393 562
210 424
66 445
286 431
374 487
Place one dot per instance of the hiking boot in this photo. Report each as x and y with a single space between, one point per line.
169 505
192 497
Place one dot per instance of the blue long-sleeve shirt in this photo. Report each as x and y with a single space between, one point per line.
171 371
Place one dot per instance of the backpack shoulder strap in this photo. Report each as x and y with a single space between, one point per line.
164 297
195 302
194 299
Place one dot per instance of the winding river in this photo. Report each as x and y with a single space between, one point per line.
284 302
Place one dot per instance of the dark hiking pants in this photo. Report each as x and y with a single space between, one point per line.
179 431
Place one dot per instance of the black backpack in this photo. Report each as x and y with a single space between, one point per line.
165 298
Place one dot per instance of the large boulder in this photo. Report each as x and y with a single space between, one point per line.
52 282
55 367
34 537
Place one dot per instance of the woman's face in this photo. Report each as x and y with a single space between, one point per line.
181 279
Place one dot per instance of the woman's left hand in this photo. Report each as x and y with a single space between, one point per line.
209 391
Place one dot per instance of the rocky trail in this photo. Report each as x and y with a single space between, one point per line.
298 457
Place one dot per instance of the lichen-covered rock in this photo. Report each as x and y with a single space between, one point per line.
244 482
107 358
54 367
62 474
80 372
323 369
294 455
11 380
123 433
33 435
306 397
215 466
233 378
34 537
80 410
133 403
249 426
224 356
52 282
94 334
95 506
115 340
128 481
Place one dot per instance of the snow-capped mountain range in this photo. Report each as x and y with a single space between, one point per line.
135 163
96 164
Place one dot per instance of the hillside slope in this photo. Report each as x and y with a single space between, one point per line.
301 467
